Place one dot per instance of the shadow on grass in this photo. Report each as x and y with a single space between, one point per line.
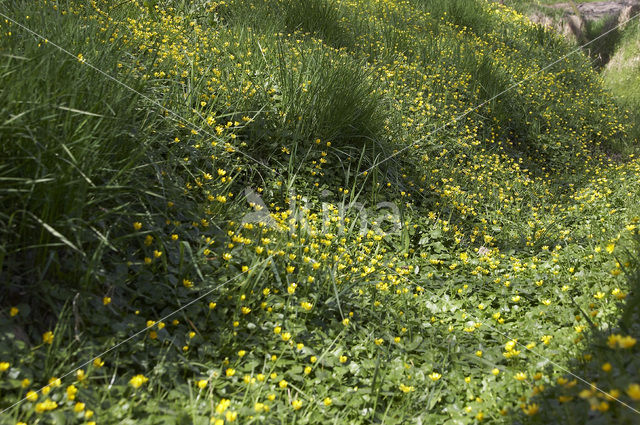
611 362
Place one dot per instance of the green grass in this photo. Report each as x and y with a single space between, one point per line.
621 74
394 295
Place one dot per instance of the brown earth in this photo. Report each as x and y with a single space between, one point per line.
573 19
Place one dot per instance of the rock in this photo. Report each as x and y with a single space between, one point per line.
627 13
572 24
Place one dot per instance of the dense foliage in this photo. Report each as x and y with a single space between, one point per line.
277 211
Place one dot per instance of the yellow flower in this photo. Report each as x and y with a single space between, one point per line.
612 340
32 396
610 248
46 406
47 337
98 362
25 383
634 391
531 409
606 367
586 393
138 380
495 371
343 359
378 341
406 389
613 394
137 225
297 404
521 376
307 370
4 366
79 407
619 294
327 401
14 311
202 384
106 300
222 406
71 392
435 376
231 416
627 342
283 384
230 372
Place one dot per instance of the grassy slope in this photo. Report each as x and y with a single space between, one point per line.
114 214
622 74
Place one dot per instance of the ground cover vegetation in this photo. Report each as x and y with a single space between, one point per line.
621 73
293 212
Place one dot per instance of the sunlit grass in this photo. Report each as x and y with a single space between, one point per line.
455 281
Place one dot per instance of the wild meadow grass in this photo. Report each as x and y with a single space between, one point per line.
258 224
621 73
